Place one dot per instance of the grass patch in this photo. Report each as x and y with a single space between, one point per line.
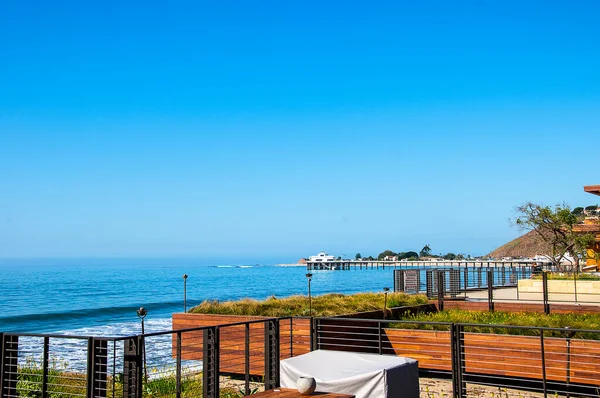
64 383
61 381
326 305
485 319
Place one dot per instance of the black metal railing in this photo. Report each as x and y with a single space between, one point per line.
442 284
457 281
237 359
549 361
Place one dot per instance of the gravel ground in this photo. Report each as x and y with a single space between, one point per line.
430 388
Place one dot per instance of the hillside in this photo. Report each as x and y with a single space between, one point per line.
527 245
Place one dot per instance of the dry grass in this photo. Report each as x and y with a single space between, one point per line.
326 305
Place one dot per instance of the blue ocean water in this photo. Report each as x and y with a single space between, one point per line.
100 297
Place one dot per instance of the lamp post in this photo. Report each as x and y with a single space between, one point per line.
309 276
185 292
385 292
141 313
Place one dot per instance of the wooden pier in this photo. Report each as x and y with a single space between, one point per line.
381 264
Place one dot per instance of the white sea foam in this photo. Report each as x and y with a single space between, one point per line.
71 353
121 329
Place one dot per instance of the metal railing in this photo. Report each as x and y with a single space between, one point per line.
442 284
458 280
237 359
549 361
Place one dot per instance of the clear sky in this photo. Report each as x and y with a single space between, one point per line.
275 129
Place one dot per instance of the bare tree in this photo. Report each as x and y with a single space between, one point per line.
554 226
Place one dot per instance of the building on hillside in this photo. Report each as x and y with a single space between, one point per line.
591 225
321 258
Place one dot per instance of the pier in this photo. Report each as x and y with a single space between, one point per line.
382 264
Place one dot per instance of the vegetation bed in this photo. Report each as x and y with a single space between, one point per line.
559 276
487 319
326 305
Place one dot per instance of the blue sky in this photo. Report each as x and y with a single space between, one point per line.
271 130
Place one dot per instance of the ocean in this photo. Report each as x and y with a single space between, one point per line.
100 297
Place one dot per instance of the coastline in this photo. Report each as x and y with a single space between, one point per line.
290 265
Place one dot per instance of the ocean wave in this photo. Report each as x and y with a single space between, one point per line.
121 329
44 322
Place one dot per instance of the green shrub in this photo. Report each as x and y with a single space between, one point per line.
486 320
326 305
559 276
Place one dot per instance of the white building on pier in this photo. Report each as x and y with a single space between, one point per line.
321 258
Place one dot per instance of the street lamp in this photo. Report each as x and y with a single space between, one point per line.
385 292
185 292
141 313
309 276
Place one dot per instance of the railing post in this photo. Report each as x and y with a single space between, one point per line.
314 334
380 337
178 367
97 367
1 365
440 289
210 362
460 360
490 284
45 367
575 283
454 360
545 293
543 353
291 337
247 359
132 367
271 354
9 365
466 276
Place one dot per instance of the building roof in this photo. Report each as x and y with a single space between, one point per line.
593 189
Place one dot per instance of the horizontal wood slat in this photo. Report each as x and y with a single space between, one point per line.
232 340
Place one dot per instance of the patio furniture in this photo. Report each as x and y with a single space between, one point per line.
362 375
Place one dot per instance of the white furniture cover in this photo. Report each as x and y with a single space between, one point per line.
362 375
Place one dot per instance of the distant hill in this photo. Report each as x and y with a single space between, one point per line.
527 245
